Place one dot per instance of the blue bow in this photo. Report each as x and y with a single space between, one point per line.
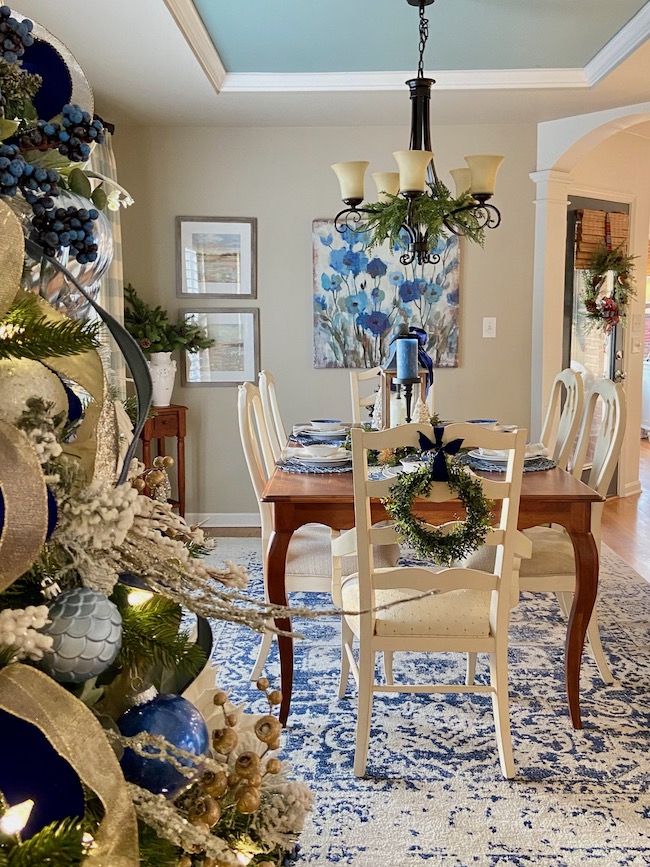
439 464
423 356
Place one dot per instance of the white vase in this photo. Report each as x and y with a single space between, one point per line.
163 373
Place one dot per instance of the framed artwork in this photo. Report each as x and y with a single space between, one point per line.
235 355
360 295
216 257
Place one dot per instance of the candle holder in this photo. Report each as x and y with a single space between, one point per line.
408 393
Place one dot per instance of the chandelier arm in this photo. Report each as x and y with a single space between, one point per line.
349 219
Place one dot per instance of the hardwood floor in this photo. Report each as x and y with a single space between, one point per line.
626 521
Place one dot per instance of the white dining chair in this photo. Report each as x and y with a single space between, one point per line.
551 567
309 557
563 416
439 610
276 429
361 401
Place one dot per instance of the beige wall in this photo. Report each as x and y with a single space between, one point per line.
282 177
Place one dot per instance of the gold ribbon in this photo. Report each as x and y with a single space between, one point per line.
12 256
25 505
75 733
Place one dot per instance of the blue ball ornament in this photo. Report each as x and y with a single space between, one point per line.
30 768
87 631
180 723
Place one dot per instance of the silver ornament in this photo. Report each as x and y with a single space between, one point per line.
87 631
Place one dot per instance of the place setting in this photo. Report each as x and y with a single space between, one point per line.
319 450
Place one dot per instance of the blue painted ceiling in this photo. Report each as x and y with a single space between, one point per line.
294 36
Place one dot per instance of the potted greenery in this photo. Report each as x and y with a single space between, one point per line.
157 337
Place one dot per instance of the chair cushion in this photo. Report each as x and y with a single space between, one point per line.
310 553
552 555
458 613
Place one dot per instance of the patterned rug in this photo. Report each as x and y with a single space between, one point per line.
434 793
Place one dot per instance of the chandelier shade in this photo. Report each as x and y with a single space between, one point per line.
414 208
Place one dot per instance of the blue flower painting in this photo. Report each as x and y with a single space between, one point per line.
360 295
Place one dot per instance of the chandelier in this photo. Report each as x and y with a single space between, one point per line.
414 208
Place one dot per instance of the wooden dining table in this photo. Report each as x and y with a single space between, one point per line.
550 496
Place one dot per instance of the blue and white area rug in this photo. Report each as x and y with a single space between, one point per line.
434 793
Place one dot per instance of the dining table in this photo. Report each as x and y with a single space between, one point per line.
552 496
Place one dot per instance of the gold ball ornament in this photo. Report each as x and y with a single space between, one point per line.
215 785
255 780
262 683
185 861
275 697
274 745
220 698
200 824
158 462
205 810
154 478
139 485
224 740
247 765
22 379
267 729
249 800
273 766
168 461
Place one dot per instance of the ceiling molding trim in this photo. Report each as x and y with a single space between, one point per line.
480 79
191 25
620 47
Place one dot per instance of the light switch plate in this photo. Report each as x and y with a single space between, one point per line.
489 326
637 344
637 322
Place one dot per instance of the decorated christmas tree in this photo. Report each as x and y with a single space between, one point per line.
116 746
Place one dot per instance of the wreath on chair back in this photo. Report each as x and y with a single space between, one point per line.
432 543
607 310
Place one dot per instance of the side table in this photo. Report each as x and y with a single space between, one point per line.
167 421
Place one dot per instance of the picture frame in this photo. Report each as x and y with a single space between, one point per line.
216 257
235 355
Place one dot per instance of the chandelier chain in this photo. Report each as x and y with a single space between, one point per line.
424 35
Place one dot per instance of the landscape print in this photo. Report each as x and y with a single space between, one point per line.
216 257
218 260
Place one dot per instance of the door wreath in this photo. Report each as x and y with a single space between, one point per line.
604 310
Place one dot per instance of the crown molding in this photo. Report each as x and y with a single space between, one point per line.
480 79
191 25
620 47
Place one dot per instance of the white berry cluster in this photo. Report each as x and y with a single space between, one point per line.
19 629
45 444
99 516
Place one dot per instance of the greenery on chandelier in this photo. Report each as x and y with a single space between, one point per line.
384 220
151 327
430 542
26 332
604 309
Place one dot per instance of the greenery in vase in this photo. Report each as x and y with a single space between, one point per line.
154 332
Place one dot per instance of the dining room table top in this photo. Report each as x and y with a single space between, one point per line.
542 485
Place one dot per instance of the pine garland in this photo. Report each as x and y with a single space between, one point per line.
57 845
432 209
432 543
26 333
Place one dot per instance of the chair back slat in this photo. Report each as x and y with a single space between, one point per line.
423 580
562 419
257 450
359 401
276 431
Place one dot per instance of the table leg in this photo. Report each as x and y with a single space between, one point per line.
584 599
276 558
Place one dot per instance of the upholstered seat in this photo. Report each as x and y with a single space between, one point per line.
310 553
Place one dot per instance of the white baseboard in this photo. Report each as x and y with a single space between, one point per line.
631 489
224 519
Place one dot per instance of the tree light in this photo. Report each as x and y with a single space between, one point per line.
139 597
15 818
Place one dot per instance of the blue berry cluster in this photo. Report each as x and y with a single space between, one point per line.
71 227
291 857
16 174
72 137
15 36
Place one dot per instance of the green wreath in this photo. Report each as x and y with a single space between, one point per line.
607 310
433 544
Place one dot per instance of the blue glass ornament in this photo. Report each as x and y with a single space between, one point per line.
87 631
180 723
30 768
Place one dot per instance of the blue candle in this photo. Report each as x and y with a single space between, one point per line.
407 358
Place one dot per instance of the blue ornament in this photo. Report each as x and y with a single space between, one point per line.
87 631
180 723
30 768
